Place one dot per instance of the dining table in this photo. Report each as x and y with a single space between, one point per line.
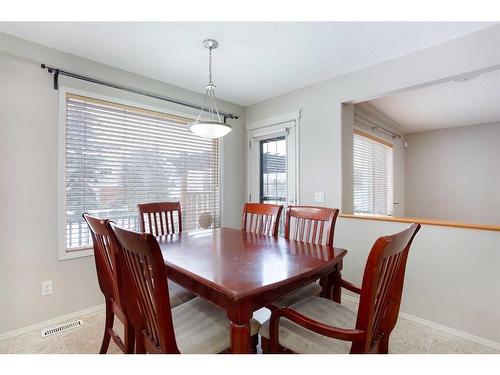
241 272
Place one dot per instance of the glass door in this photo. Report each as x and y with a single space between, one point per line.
271 166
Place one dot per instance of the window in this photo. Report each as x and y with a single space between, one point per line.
117 156
373 183
273 170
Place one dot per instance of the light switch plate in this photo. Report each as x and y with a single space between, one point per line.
46 288
319 197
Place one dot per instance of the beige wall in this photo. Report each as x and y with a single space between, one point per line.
441 258
454 174
29 184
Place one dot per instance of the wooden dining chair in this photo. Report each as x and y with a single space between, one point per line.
160 218
311 225
108 276
196 326
320 325
315 225
261 218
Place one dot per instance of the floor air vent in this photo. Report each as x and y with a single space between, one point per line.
61 328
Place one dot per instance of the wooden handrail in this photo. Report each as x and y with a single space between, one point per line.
443 223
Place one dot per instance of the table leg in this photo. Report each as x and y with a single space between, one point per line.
336 288
240 338
330 284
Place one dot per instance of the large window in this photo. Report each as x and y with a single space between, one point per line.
373 181
117 156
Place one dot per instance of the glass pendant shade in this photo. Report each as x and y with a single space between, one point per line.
210 129
208 124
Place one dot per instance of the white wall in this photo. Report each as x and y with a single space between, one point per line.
454 174
28 180
445 261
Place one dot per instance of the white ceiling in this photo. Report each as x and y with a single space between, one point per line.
255 61
456 103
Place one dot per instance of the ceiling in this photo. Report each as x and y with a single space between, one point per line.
452 104
255 61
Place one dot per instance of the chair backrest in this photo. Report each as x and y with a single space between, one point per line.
309 224
105 250
141 255
158 218
382 288
261 218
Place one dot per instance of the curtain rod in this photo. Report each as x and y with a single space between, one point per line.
376 126
57 72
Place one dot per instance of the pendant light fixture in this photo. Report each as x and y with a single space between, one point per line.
208 124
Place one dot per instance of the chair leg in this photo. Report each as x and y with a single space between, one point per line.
265 345
254 343
129 338
384 345
110 317
139 343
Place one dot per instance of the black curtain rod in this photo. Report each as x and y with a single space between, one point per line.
57 72
376 126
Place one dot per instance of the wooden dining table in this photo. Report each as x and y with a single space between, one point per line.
241 272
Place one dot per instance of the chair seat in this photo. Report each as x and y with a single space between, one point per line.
201 327
178 295
309 290
302 340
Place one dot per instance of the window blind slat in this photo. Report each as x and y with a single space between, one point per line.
117 157
373 177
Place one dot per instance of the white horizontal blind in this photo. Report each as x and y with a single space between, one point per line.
118 156
373 177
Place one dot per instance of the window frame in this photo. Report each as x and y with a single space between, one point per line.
63 252
385 143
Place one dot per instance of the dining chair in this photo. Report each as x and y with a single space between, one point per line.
261 218
196 326
320 325
105 250
311 225
160 218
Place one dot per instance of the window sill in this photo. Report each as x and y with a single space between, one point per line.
443 223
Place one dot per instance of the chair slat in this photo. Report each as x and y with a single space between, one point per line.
308 231
172 221
162 225
315 230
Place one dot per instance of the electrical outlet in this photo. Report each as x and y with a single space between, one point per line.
46 288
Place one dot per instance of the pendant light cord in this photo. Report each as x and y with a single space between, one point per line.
210 66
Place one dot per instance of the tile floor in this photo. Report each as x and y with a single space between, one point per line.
407 337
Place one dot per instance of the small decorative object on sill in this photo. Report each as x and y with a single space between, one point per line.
209 124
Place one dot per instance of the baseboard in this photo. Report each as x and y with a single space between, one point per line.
50 322
468 336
